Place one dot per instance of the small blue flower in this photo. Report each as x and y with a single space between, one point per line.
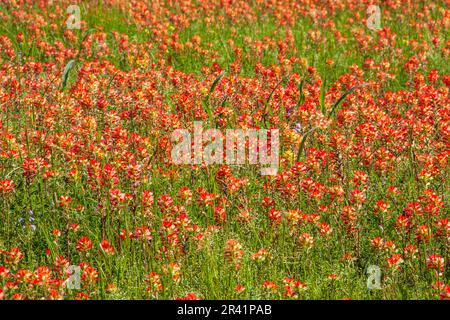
30 219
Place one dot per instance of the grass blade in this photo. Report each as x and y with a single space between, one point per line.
333 109
214 85
206 103
266 103
302 95
303 142
66 71
273 91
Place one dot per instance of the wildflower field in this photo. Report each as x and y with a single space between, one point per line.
93 205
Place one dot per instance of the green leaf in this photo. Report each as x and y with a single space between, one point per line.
86 35
206 103
333 109
80 46
214 85
66 71
273 91
303 142
266 103
302 95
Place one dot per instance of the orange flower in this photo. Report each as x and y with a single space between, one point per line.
84 244
64 201
6 185
106 247
239 288
233 252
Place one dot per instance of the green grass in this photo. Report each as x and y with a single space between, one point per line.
142 98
